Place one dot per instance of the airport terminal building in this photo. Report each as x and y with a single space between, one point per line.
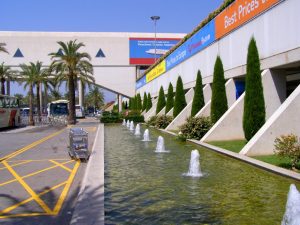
275 26
120 59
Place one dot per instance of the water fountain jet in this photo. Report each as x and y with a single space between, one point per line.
292 210
131 126
128 124
160 146
137 130
146 135
194 168
124 122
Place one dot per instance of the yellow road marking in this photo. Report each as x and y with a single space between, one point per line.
25 215
66 189
34 160
7 210
61 165
17 164
28 189
18 152
34 173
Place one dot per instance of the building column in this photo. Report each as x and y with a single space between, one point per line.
80 93
41 97
8 87
120 102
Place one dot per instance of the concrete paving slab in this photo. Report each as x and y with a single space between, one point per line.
89 208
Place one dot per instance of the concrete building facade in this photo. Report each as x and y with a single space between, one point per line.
110 53
277 33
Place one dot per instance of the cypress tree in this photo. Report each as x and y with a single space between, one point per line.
179 102
130 104
161 103
126 105
218 99
198 100
133 101
145 102
254 105
138 102
149 102
170 98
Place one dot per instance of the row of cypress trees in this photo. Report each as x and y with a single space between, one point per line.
178 103
136 103
254 106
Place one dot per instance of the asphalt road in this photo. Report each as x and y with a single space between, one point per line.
39 183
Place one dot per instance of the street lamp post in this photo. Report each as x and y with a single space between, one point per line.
155 18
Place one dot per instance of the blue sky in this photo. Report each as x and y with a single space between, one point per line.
103 16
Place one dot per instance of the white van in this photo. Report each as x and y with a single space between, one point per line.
79 110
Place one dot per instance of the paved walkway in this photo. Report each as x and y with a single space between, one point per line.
89 208
39 183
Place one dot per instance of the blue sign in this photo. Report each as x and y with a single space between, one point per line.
194 44
143 50
141 82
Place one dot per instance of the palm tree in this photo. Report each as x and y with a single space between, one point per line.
2 48
28 76
41 76
6 75
95 98
70 66
54 89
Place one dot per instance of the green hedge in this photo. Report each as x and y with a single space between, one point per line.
195 128
135 118
108 117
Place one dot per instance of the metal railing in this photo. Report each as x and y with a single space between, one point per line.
45 120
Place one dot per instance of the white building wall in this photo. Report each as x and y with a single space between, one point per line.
112 71
276 31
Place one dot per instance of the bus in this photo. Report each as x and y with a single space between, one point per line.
79 111
58 108
9 111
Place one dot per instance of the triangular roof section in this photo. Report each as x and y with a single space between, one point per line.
100 54
18 54
60 52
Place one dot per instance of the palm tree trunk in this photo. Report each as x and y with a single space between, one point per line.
46 94
72 119
2 86
8 87
31 122
38 105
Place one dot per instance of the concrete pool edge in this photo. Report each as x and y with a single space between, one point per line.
257 163
89 208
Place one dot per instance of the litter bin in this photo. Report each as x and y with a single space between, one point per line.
78 144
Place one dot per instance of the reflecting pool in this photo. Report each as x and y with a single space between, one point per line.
143 187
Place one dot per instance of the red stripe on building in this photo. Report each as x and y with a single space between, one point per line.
141 61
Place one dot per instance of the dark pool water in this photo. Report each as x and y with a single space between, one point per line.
144 187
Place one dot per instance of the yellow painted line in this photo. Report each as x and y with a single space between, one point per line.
34 173
66 189
34 160
25 215
18 152
17 164
7 210
61 165
28 189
